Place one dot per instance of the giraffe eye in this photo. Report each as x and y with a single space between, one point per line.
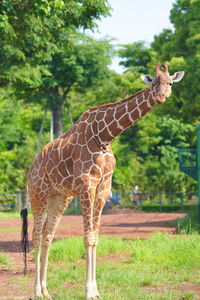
170 83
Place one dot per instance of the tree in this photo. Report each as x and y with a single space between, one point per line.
136 56
18 137
37 49
80 63
32 31
181 49
155 141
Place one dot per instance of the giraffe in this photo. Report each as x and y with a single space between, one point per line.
81 162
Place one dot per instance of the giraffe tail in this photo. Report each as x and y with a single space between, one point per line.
24 236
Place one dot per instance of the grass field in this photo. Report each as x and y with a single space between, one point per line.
155 268
9 215
189 224
162 267
4 260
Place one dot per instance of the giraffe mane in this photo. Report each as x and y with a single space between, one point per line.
111 104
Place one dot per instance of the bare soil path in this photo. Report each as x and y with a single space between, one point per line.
127 226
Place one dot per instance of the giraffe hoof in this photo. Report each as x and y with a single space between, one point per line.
92 294
38 296
46 295
93 297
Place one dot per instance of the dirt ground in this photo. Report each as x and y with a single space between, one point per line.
127 226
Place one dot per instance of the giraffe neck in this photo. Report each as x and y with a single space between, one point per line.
112 119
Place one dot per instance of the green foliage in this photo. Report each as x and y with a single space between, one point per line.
81 62
18 132
153 144
137 56
181 48
129 169
190 223
10 131
35 35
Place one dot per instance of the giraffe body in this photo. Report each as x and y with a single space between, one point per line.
81 162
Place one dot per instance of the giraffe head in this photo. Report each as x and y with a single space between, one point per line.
162 82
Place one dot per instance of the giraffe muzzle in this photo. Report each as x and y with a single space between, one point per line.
161 98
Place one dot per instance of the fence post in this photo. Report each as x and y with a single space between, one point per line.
22 200
19 201
140 202
198 168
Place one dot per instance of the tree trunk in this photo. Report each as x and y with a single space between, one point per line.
41 131
69 113
57 120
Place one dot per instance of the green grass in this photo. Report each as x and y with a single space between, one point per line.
72 249
4 260
161 261
10 229
189 224
13 215
9 215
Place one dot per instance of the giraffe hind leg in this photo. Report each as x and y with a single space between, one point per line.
55 208
38 217
102 195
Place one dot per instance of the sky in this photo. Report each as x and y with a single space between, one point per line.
134 20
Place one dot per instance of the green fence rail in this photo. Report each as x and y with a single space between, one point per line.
189 161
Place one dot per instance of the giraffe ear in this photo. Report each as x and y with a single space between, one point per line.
147 79
177 76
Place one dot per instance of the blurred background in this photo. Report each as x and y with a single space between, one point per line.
57 58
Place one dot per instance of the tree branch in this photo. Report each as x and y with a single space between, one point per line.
67 91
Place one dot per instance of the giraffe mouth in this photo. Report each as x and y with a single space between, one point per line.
161 99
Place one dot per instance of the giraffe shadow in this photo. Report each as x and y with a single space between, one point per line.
12 246
143 224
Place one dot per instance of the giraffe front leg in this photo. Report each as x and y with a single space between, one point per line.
95 290
87 201
91 285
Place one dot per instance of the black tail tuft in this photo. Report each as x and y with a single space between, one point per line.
24 236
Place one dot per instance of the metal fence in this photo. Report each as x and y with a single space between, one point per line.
139 200
159 199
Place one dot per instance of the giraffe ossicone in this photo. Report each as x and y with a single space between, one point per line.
81 162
